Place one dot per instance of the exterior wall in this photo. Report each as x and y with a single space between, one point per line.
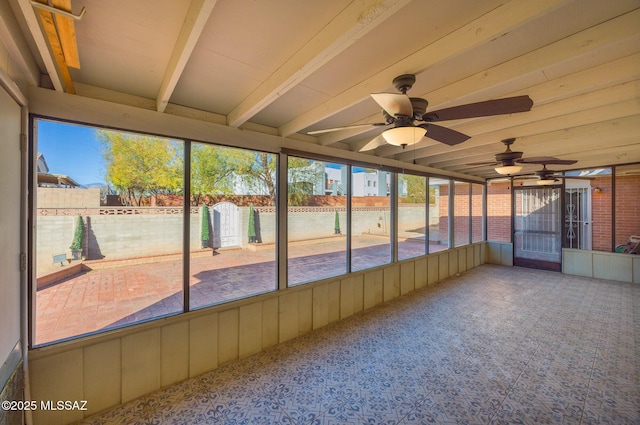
11 278
627 208
461 213
369 184
499 212
13 391
58 197
601 215
500 253
116 367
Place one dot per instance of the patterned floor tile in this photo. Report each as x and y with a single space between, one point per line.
494 346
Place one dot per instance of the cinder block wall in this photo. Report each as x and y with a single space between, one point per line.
56 197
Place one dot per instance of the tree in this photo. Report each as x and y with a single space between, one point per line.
213 170
258 174
304 174
139 166
221 170
416 188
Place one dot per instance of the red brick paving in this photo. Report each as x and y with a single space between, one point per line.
113 297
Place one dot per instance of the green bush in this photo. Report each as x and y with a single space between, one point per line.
204 225
79 233
251 230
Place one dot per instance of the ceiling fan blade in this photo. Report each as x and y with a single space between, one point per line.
374 143
546 160
574 177
508 105
444 135
482 164
394 104
347 127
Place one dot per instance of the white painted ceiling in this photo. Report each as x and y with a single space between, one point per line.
292 66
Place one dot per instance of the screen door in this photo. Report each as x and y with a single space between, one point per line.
537 227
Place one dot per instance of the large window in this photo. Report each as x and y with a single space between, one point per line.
110 211
371 218
627 207
462 204
477 219
133 227
499 210
438 214
232 223
109 235
412 216
317 220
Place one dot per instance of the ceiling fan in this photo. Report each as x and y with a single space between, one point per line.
407 122
548 177
508 162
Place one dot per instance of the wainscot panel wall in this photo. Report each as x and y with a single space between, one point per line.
121 365
500 253
601 265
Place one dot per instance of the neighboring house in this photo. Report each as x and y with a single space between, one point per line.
370 183
47 179
335 181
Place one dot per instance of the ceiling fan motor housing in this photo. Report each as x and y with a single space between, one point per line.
419 107
404 82
509 156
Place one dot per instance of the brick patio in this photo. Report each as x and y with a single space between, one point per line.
106 298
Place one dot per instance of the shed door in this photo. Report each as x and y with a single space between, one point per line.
226 225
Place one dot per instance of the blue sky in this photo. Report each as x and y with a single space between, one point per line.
72 150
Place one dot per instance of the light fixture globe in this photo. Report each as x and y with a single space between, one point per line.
404 136
506 170
545 182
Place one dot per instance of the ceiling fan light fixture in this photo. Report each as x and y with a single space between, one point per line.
404 136
506 170
545 182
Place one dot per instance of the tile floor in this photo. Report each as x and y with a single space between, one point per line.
497 345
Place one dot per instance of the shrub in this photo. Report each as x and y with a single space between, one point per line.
79 233
204 225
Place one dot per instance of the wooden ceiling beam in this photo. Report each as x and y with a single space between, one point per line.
49 27
354 22
615 37
67 34
35 29
481 30
192 27
598 44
